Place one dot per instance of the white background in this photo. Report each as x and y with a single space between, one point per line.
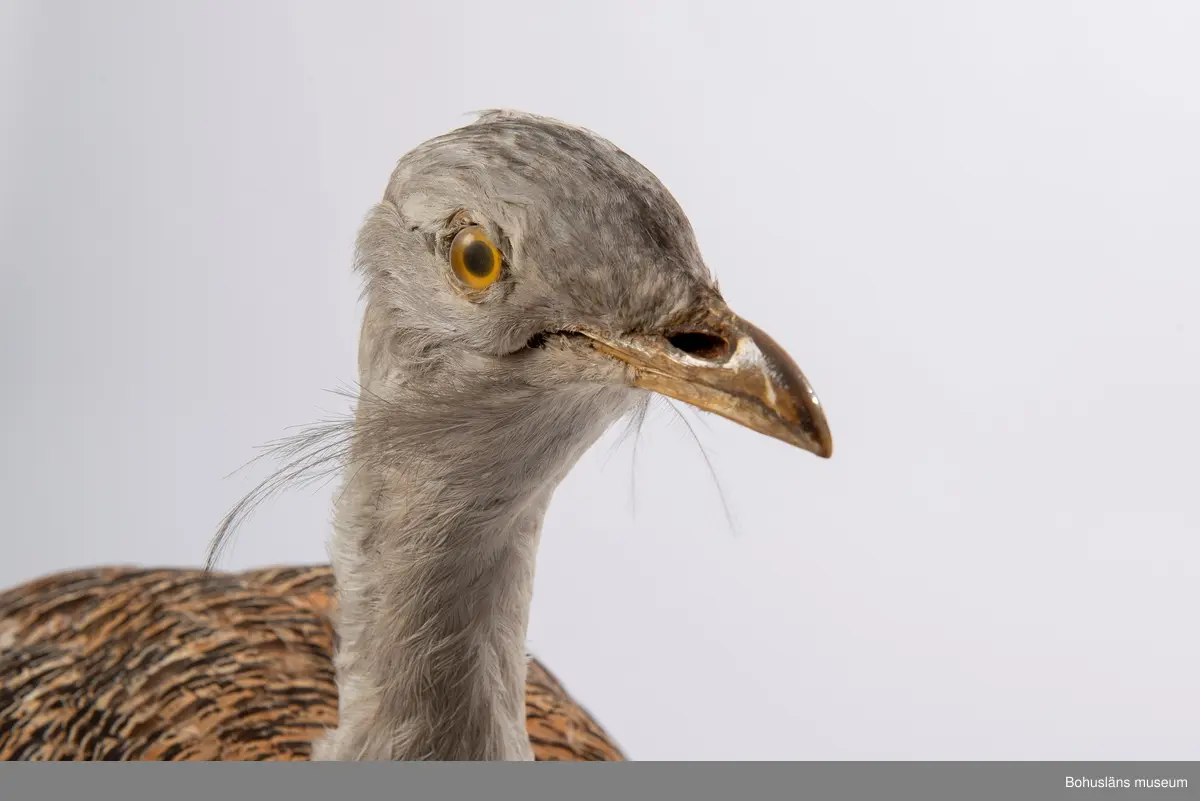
973 224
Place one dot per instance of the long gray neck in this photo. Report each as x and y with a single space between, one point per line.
433 612
434 553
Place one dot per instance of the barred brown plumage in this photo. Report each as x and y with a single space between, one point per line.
122 663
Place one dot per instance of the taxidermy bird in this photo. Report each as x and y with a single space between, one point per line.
527 284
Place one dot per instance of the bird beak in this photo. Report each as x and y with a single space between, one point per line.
725 365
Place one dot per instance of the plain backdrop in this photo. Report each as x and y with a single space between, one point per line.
973 224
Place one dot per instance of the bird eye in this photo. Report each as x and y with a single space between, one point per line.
476 261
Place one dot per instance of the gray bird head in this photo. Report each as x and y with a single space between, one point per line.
520 258
526 284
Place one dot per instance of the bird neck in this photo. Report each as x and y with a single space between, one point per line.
433 612
434 553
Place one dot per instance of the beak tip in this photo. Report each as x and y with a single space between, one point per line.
820 445
819 436
826 441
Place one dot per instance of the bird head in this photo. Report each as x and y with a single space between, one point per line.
519 257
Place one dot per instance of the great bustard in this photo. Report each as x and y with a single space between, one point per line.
527 284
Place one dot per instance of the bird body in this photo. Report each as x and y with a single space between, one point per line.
169 664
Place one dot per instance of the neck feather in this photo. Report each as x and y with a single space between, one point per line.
434 553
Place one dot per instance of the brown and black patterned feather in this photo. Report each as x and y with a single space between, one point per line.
169 664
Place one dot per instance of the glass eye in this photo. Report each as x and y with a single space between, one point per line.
476 261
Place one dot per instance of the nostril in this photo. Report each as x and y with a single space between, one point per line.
700 344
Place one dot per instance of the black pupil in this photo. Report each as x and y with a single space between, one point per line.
477 258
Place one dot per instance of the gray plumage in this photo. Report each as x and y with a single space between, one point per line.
474 404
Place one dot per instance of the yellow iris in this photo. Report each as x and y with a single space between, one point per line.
476 261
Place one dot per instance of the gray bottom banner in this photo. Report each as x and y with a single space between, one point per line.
695 781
